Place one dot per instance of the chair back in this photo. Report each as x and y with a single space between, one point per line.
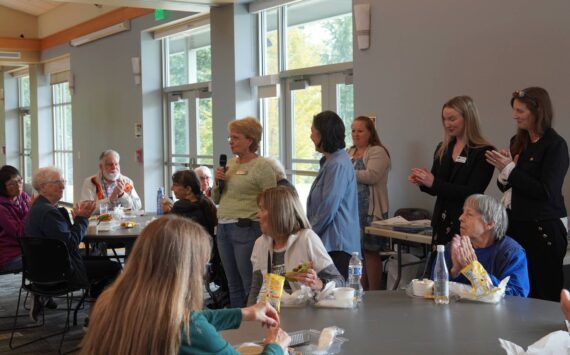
412 214
45 260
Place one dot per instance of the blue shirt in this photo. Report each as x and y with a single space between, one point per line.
332 205
503 258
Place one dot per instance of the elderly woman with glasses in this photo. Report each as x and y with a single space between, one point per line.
483 225
534 169
205 176
236 189
14 208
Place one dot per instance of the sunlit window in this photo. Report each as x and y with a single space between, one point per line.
63 135
189 57
25 128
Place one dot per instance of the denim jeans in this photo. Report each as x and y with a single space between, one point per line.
235 245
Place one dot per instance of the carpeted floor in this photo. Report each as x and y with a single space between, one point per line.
54 321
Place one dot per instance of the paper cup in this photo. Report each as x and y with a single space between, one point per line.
422 288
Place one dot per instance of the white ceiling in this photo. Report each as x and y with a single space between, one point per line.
38 7
32 7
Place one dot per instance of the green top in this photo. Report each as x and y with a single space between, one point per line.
242 185
204 336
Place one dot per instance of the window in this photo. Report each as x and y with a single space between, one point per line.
188 57
189 100
306 47
25 128
63 138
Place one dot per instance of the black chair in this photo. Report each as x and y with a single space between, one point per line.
46 273
15 272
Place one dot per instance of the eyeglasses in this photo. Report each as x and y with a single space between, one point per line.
521 94
61 181
16 182
204 178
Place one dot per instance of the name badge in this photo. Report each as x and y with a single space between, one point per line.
241 172
460 159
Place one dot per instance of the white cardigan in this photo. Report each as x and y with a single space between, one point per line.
301 247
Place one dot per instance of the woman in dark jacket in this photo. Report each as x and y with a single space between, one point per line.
534 169
191 201
459 167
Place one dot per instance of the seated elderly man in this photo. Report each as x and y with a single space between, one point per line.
109 186
483 225
46 220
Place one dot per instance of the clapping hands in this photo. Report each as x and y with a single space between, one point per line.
421 177
462 254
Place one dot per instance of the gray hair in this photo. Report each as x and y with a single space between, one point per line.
44 175
277 168
204 170
491 211
108 152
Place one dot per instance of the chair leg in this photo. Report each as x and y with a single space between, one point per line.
79 304
61 332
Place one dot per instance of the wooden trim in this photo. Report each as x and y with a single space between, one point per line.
100 22
23 44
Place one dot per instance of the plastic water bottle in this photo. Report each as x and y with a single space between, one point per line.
159 197
441 278
354 275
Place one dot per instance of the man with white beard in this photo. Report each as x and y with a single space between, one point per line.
109 186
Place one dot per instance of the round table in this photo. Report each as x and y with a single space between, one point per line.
391 322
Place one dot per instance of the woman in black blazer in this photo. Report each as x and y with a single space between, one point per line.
459 168
537 217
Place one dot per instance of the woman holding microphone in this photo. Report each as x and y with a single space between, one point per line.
245 177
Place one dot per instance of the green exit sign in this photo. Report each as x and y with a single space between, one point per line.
160 14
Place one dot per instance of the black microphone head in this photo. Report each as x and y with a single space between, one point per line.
223 160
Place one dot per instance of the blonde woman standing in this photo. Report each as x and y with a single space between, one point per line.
371 161
246 176
459 167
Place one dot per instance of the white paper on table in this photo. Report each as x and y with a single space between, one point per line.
554 343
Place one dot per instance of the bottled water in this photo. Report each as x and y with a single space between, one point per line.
441 278
159 197
354 275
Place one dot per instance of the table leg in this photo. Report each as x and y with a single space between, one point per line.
399 247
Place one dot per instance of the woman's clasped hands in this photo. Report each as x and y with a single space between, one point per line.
462 254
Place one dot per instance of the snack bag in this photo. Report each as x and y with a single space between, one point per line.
273 289
480 280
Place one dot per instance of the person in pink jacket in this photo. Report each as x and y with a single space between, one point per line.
14 207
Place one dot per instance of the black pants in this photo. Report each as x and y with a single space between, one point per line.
545 245
341 260
100 273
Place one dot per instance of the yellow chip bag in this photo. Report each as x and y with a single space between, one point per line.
273 290
480 281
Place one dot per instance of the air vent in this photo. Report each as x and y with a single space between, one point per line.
10 55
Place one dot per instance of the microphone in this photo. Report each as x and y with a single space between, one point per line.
223 162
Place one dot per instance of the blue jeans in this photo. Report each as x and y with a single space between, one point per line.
235 245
